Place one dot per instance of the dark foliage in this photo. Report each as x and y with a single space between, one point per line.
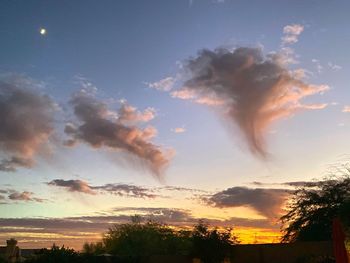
211 246
312 209
142 240
55 255
316 259
93 248
132 242
138 240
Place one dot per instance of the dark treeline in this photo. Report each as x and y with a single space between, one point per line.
308 217
136 241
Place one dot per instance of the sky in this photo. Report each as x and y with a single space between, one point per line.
173 110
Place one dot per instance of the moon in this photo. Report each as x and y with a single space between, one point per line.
42 31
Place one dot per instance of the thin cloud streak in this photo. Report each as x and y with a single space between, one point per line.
73 186
123 190
14 195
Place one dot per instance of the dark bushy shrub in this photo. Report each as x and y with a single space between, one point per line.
316 259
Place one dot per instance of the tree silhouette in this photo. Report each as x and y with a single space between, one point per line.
138 239
93 248
55 255
212 246
313 207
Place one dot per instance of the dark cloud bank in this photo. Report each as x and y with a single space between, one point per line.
266 201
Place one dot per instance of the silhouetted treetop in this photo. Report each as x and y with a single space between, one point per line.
312 209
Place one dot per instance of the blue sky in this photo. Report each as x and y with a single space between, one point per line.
120 47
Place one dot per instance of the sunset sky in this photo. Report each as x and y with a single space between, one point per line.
173 110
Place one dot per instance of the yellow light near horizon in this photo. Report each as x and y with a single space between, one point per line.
42 31
249 235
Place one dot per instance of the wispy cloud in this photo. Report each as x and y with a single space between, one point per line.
182 189
318 65
26 121
165 84
73 185
294 184
124 190
267 202
97 128
179 130
250 90
291 33
334 67
346 109
11 164
14 195
218 1
130 114
24 196
127 190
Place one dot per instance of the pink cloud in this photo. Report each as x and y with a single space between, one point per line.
251 90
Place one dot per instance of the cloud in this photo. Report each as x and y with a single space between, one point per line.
10 165
291 33
26 122
181 189
98 129
130 114
14 195
179 130
73 186
250 90
295 184
303 183
100 223
334 67
346 109
125 190
187 94
161 214
267 202
121 189
319 67
286 56
165 84
75 231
